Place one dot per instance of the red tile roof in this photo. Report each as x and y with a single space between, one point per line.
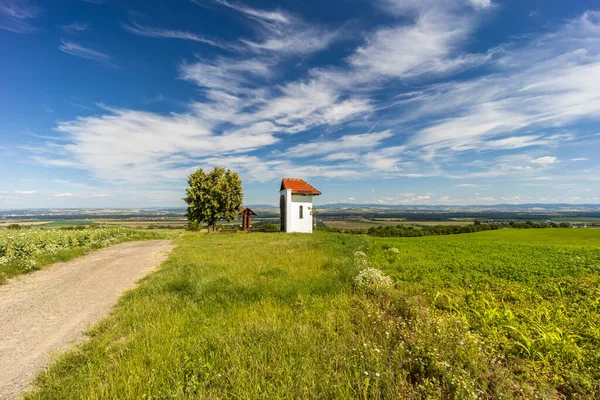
299 186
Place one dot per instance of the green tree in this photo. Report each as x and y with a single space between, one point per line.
213 196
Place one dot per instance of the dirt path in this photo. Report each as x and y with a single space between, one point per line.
44 312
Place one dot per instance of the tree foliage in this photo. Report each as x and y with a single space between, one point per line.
213 196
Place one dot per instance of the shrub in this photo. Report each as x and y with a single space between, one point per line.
193 226
372 280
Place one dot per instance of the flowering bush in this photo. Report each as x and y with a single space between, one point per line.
373 280
360 258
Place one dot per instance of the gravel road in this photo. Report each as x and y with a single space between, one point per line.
47 311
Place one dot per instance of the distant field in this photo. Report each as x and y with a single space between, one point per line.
497 314
24 223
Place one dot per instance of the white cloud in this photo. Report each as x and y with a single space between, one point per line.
351 199
347 142
231 76
411 7
24 192
64 195
141 30
16 15
139 146
86 53
579 159
75 27
280 32
424 47
487 199
261 15
545 160
467 185
522 92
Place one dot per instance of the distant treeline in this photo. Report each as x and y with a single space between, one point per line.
409 231
536 225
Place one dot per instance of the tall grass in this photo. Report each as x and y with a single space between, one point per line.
280 316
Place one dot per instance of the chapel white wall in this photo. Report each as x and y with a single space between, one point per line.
293 203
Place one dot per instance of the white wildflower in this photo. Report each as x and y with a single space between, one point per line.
374 280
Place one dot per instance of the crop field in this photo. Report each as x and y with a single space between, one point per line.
25 250
497 314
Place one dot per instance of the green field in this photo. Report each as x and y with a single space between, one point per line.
501 314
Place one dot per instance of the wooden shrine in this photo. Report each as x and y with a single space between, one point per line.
246 213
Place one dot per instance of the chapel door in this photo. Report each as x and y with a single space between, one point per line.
282 214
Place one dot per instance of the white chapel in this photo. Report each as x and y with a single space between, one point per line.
295 205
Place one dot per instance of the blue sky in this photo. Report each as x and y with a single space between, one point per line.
108 103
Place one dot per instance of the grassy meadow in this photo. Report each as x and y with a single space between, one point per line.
501 314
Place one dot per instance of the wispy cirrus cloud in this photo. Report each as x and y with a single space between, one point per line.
346 143
75 27
520 93
278 17
246 108
86 53
17 15
281 32
142 30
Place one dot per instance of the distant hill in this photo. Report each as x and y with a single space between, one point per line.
261 206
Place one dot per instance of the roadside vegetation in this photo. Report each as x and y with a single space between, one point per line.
496 314
24 250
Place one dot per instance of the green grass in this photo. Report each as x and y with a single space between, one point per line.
503 314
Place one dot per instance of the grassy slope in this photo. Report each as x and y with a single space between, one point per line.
273 315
